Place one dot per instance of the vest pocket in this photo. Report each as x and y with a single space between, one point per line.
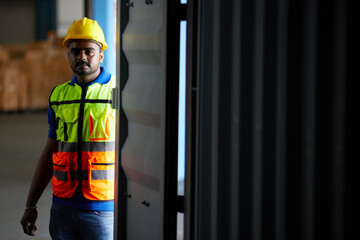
101 174
63 185
100 121
67 119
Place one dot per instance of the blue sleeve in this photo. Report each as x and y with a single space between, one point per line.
52 123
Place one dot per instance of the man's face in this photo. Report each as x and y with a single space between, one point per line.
85 58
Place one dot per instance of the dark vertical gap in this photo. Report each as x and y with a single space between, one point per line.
351 180
122 77
171 118
224 121
45 18
190 223
338 116
281 121
324 103
293 116
257 118
246 113
205 122
88 5
269 120
235 120
53 16
308 118
239 90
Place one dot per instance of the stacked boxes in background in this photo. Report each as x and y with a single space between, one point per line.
13 87
29 72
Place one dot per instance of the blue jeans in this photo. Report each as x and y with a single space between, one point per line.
75 224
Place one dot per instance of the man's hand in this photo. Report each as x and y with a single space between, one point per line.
28 221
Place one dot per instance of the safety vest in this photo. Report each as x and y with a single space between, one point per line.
85 122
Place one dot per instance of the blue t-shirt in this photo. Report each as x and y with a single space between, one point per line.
78 200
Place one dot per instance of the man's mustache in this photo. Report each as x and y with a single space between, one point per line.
82 63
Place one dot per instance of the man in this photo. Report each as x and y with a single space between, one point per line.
79 154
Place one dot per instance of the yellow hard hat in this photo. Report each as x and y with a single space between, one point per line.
85 28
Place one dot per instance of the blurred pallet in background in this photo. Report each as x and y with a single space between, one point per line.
29 72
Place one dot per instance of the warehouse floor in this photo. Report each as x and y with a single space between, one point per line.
23 136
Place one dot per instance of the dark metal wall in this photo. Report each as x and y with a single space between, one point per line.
269 124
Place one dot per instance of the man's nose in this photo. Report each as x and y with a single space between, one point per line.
82 55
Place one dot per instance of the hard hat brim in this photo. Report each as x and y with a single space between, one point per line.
67 43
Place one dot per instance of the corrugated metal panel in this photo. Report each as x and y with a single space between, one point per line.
148 86
271 132
143 101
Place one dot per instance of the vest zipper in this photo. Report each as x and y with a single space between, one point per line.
80 136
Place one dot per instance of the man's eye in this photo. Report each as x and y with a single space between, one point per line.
89 52
75 51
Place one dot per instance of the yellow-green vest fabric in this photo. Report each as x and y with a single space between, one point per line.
85 122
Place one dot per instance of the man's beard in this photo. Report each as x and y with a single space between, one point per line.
79 70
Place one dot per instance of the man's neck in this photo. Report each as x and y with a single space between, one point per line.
86 80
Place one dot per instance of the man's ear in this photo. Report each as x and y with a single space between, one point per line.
101 56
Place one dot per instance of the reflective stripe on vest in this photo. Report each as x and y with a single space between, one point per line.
85 123
95 175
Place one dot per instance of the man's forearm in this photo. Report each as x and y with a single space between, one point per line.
43 173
